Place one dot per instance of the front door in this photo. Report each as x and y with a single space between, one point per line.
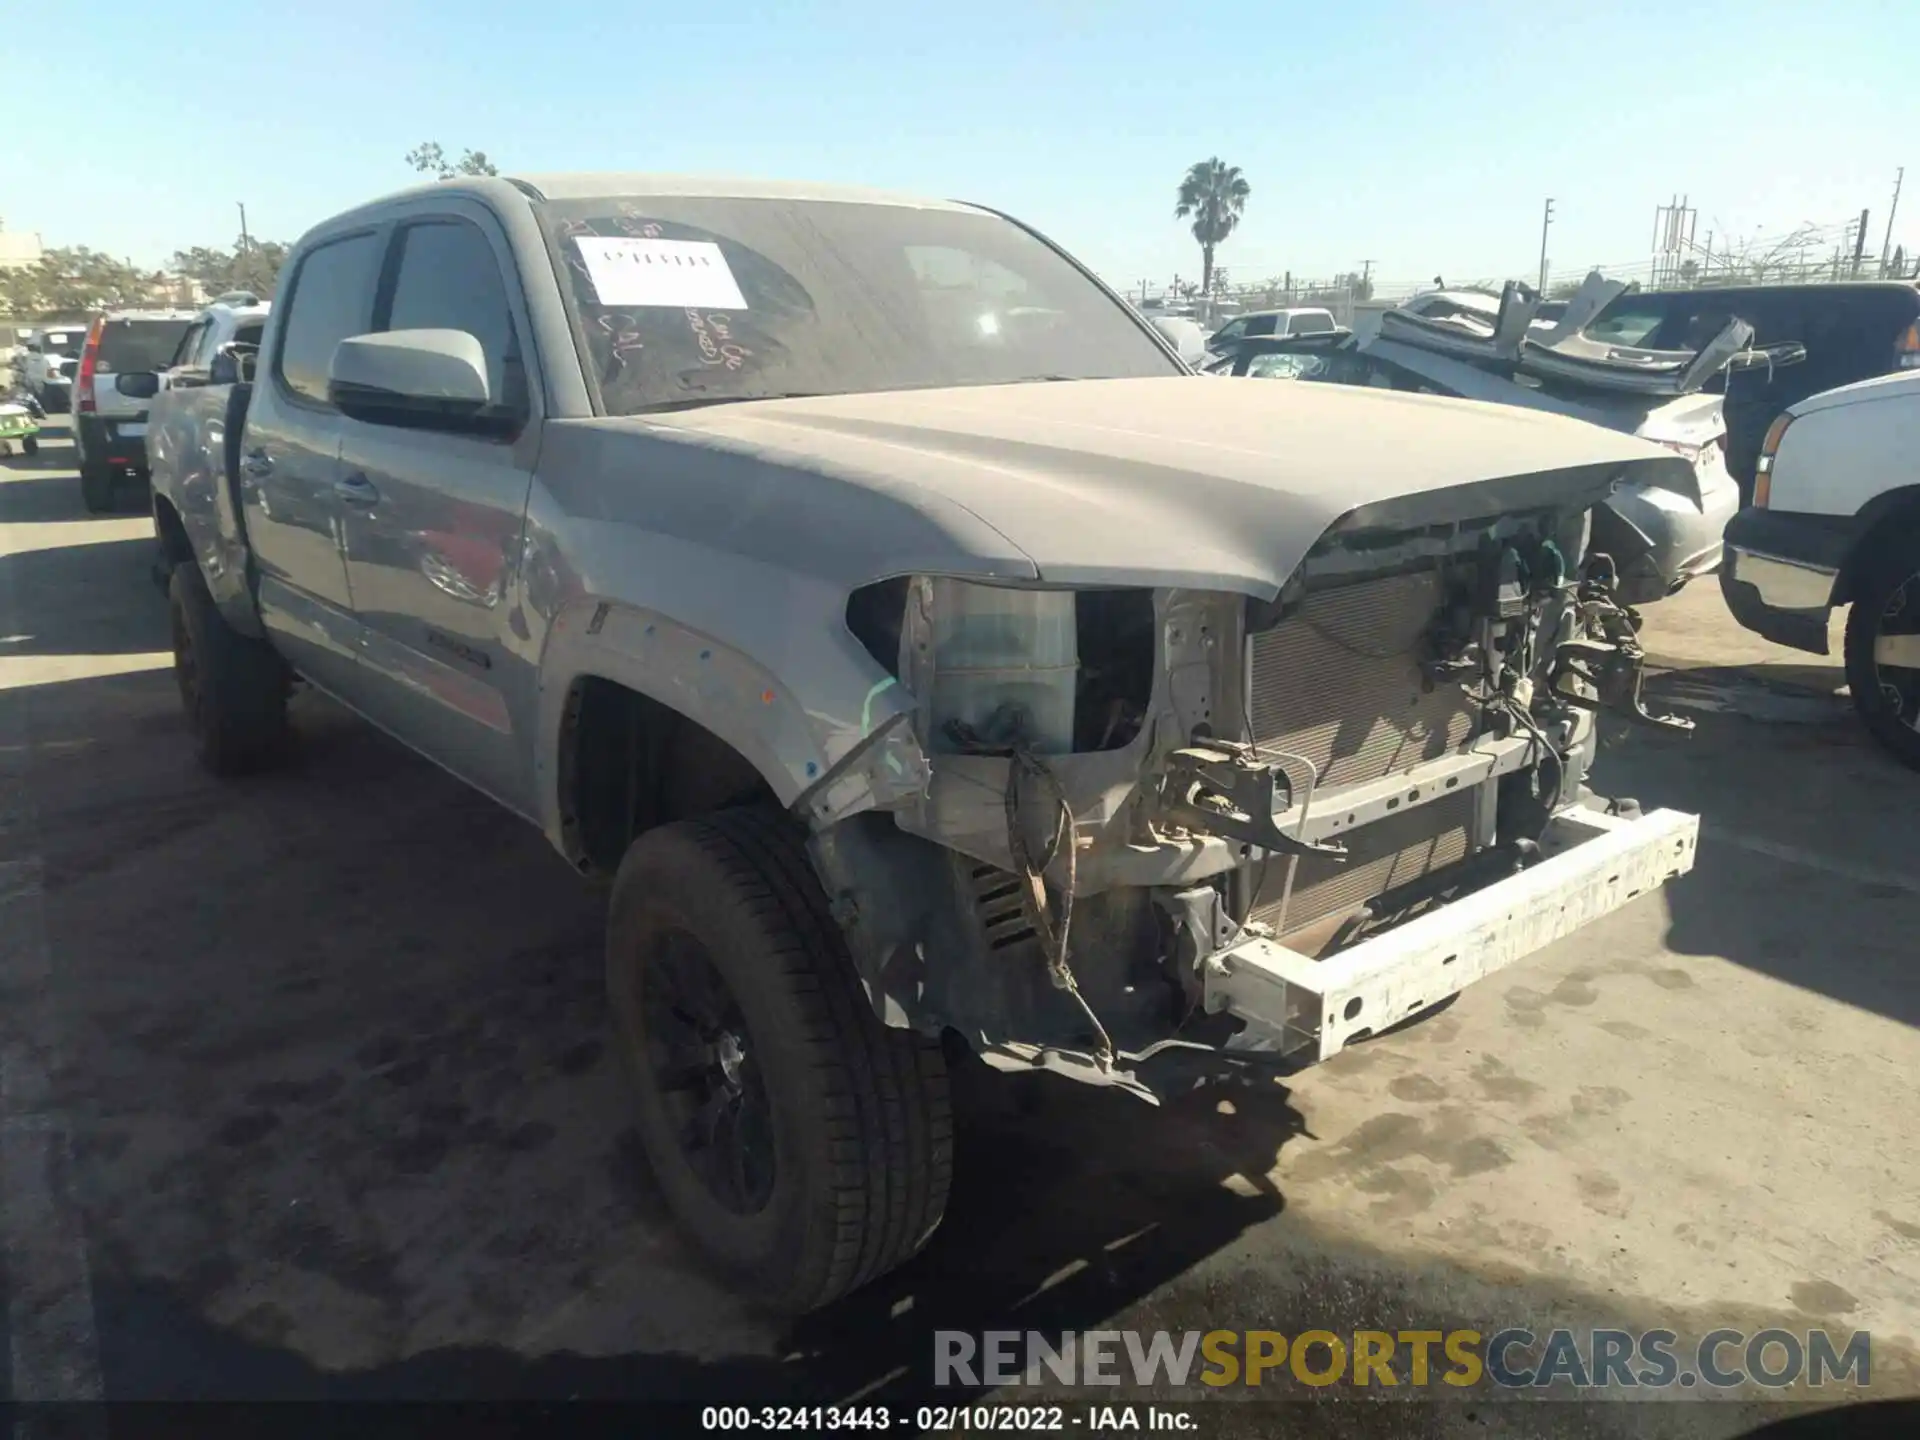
433 523
289 465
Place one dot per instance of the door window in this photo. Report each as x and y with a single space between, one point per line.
1263 325
184 353
332 299
445 277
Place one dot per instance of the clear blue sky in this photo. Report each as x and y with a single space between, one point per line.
1422 136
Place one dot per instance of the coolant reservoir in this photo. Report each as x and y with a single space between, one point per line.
1005 663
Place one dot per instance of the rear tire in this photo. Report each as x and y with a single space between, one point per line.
1886 601
96 487
804 1146
234 687
29 446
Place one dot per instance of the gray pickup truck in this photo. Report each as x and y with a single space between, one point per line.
931 660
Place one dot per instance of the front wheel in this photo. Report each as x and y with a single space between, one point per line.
1883 647
805 1146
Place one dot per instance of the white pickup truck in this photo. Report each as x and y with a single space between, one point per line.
1835 520
200 380
47 363
927 655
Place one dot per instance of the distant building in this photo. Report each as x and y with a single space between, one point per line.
177 292
18 248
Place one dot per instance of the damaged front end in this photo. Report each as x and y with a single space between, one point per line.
1106 829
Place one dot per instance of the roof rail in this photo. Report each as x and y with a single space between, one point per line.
236 297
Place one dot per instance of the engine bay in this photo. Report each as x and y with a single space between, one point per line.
1122 783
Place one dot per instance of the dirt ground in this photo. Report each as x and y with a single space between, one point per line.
308 1090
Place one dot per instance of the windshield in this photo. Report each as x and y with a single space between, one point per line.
692 300
139 344
63 342
1287 365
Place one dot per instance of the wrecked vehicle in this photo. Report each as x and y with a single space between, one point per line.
1662 532
1843 331
926 655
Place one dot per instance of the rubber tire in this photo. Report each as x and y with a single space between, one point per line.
862 1119
96 487
239 714
29 445
1891 562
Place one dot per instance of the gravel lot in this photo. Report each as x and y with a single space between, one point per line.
308 1090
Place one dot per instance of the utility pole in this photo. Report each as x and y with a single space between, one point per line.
1859 244
1899 175
1546 219
246 241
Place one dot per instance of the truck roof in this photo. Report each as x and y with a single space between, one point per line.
588 185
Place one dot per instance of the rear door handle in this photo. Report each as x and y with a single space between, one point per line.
257 462
356 489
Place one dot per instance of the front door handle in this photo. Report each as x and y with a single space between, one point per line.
257 463
356 489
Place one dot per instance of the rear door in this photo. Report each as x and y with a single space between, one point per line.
290 461
434 518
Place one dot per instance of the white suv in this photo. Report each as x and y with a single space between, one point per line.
110 426
1835 520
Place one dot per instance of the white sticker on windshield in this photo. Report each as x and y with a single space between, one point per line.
674 273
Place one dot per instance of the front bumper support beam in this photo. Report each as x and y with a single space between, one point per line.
1309 1010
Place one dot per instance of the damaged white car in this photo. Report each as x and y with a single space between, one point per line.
927 655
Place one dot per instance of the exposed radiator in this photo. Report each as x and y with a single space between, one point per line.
1339 682
1387 853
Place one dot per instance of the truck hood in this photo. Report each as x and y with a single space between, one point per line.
1895 384
1205 483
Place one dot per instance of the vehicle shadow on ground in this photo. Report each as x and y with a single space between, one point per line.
1801 872
45 487
84 599
1045 1231
39 499
336 1064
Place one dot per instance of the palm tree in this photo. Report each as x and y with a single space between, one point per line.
1215 195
